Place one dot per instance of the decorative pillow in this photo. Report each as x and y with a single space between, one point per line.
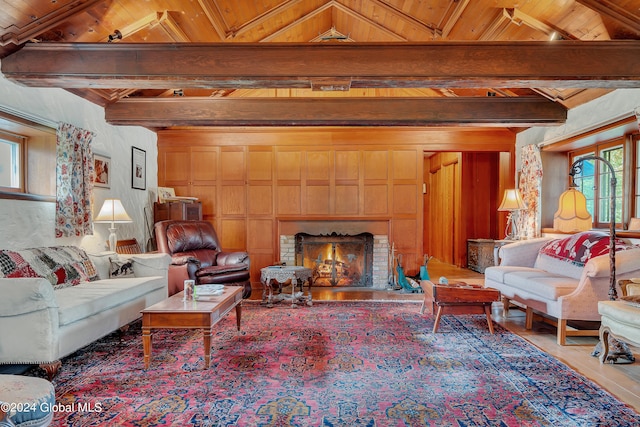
62 265
12 264
120 267
581 247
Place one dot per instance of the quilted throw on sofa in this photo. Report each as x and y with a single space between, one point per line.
581 247
63 266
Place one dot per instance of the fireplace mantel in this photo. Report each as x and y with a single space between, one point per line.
328 225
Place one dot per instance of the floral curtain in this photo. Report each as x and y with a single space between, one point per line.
74 183
530 186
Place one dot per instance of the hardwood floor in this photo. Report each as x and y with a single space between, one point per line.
622 381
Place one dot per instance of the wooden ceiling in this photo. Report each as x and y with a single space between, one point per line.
164 63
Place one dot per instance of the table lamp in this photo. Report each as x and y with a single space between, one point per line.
512 202
112 212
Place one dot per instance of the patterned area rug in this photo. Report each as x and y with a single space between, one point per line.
333 364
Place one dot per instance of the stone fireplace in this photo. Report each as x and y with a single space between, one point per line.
325 232
336 259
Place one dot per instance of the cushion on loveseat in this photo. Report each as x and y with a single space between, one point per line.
62 266
568 256
86 299
531 281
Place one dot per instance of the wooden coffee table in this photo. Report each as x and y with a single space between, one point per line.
458 298
174 313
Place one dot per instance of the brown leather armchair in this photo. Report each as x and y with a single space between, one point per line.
196 254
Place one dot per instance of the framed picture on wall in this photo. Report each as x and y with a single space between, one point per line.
138 168
101 171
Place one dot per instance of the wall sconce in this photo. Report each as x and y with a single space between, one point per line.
576 169
112 212
512 202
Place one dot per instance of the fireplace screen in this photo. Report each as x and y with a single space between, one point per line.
337 260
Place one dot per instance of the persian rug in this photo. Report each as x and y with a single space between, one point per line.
332 364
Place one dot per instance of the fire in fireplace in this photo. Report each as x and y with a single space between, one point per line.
337 260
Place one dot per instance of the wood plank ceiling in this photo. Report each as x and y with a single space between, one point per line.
163 63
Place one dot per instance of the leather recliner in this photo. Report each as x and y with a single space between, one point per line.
196 254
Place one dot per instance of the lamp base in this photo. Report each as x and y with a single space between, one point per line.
112 239
511 230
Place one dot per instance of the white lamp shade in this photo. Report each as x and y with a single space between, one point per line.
572 214
512 201
112 212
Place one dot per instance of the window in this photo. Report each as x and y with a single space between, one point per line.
593 179
27 158
11 162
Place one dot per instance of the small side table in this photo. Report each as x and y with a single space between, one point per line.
483 253
458 298
296 274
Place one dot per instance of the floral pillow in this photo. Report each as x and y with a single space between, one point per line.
581 247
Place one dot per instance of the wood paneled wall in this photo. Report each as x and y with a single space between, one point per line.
249 180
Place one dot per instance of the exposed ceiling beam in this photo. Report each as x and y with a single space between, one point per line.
164 112
260 19
215 17
559 64
298 21
406 17
453 18
615 12
518 17
363 18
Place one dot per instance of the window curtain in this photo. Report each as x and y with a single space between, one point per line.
74 183
530 186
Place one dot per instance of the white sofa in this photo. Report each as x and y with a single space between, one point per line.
563 287
41 325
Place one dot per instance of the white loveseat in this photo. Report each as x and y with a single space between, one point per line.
41 325
562 278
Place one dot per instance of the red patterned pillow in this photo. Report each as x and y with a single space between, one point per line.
12 264
581 247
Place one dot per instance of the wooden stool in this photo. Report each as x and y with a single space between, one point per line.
458 298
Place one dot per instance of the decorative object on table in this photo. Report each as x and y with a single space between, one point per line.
512 202
189 286
138 168
466 369
165 193
112 212
101 171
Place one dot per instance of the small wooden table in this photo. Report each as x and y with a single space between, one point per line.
204 313
458 298
295 274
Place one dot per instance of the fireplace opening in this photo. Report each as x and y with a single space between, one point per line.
336 259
